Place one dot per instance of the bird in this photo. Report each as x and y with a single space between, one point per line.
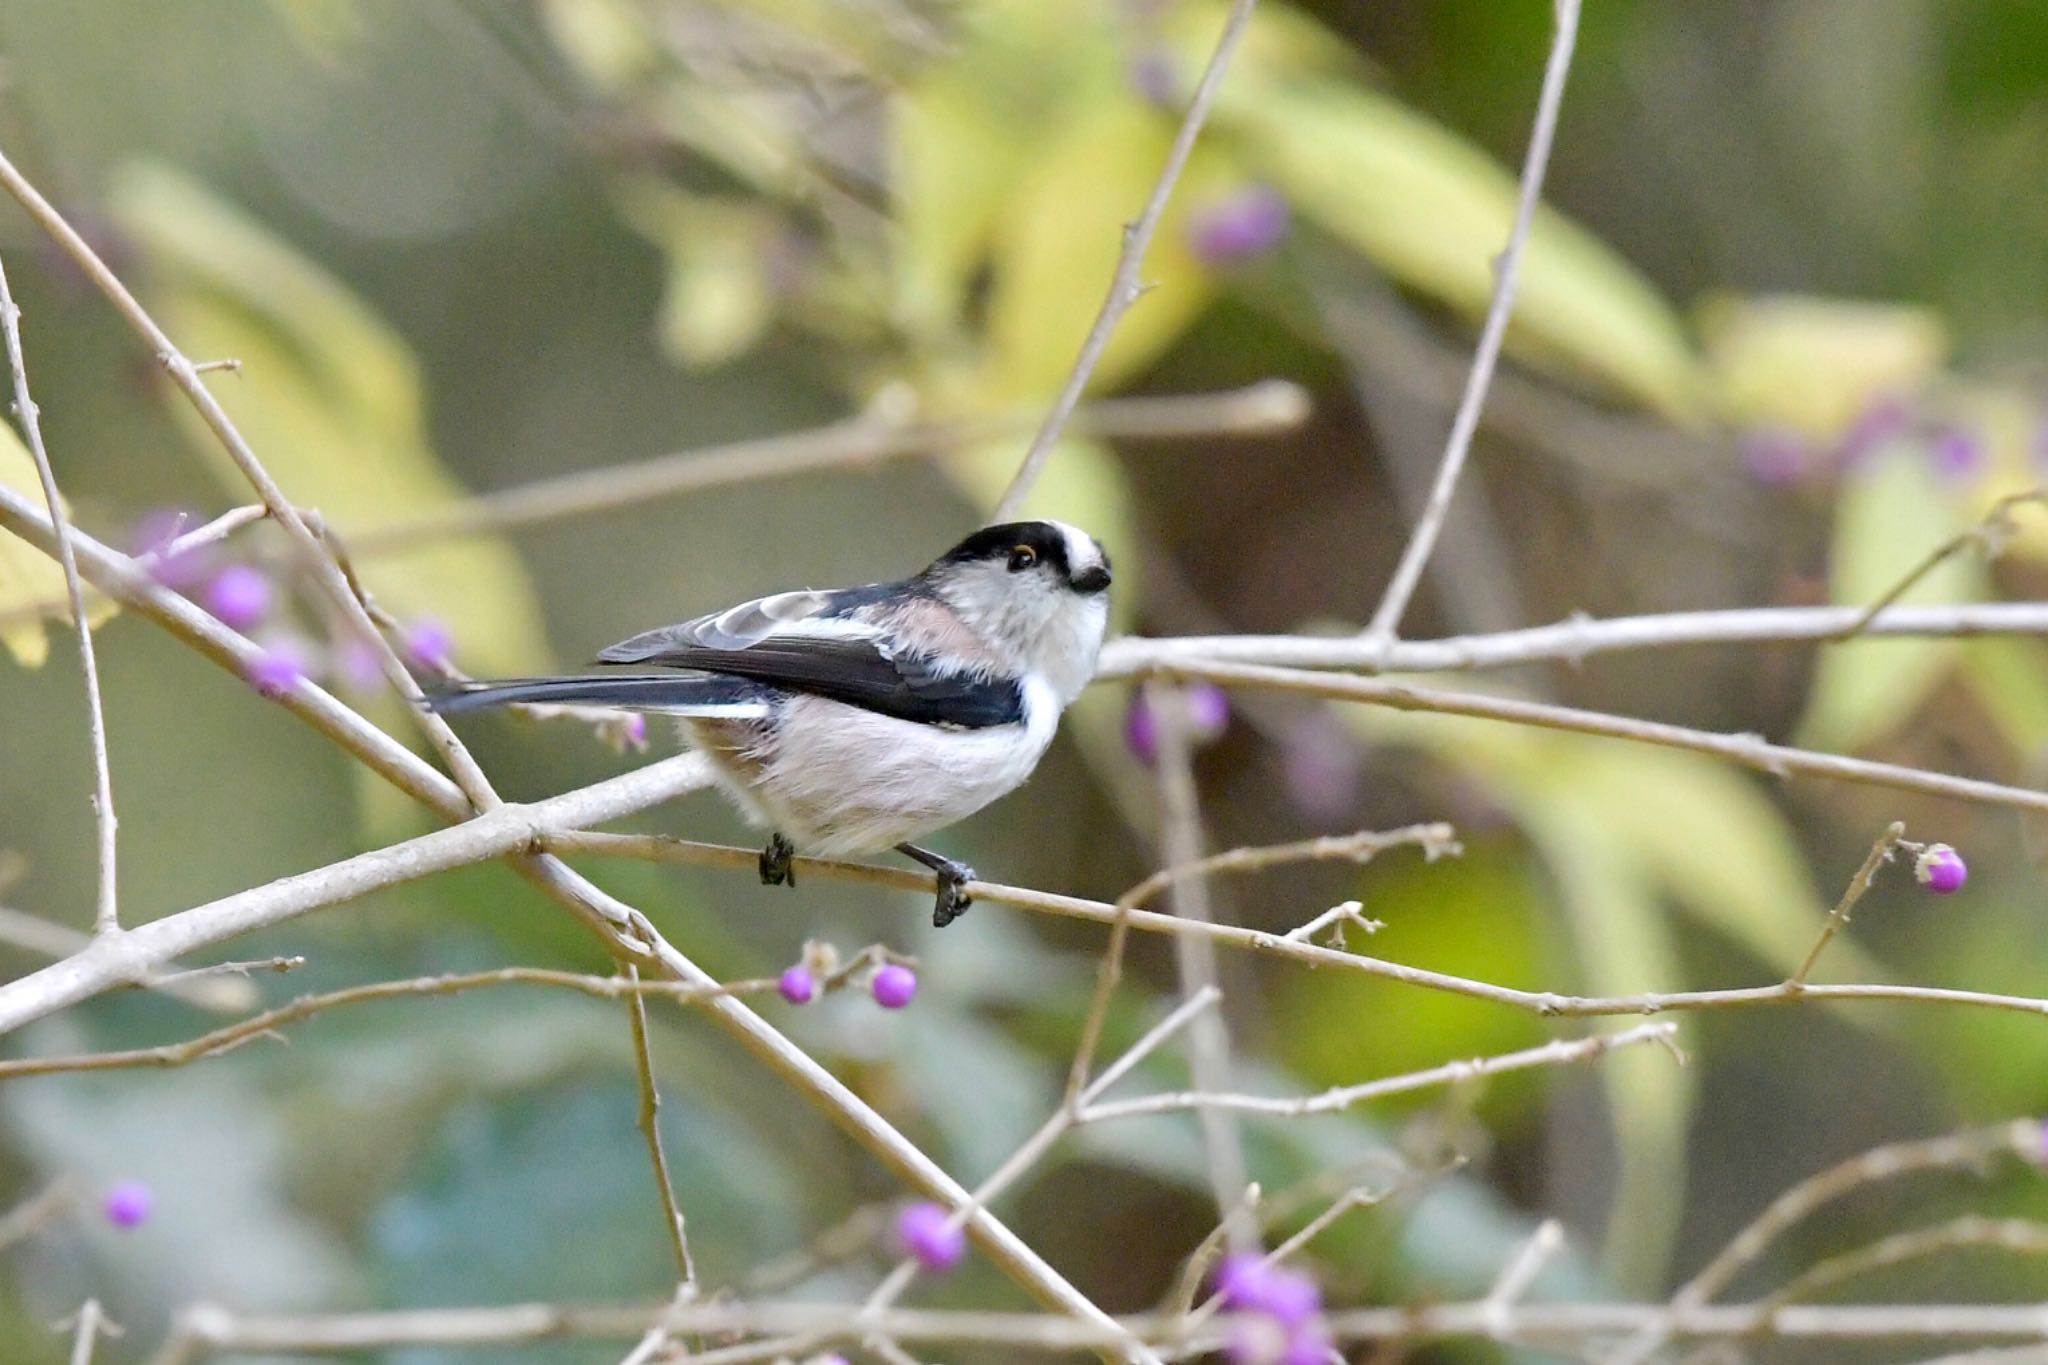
853 720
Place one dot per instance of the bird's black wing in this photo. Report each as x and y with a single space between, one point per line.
857 671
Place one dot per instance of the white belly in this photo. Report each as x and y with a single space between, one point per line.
839 780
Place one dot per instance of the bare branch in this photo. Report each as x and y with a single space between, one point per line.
1125 284
1574 640
861 443
657 848
107 914
1386 621
1751 751
1332 1101
1859 885
650 1128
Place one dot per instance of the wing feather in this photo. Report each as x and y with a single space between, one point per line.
815 643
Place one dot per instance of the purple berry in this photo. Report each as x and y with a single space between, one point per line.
239 595
1141 730
1883 421
278 669
1153 77
356 660
1247 1284
429 643
1239 227
893 986
128 1204
154 533
1775 458
797 985
928 1234
1956 455
1208 711
1321 764
1208 716
1292 1298
1941 869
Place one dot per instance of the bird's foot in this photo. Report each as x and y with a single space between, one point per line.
953 877
953 898
775 862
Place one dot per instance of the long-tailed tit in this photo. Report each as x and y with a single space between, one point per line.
857 719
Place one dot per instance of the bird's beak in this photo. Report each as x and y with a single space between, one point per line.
1093 579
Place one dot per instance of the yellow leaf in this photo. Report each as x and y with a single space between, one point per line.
1057 245
1434 212
27 575
1888 517
1812 365
329 399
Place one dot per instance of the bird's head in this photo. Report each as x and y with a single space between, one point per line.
1036 590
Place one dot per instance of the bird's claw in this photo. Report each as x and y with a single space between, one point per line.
775 862
953 899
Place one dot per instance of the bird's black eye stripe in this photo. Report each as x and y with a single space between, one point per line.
1022 558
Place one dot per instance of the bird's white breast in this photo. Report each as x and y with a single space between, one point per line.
841 780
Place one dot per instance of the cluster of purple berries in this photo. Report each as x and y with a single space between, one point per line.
1779 458
893 985
1280 1313
245 598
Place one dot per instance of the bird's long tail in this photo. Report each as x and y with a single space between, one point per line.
672 693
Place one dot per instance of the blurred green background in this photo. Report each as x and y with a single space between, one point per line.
1780 334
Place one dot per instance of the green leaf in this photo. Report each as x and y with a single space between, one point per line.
2009 678
1887 520
1713 841
329 399
28 577
1434 212
718 302
1480 916
1605 888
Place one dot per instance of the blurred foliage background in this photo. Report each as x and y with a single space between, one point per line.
1779 334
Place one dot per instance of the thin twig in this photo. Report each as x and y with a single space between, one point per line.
2019 1236
91 1323
322 569
1859 885
37 1211
19 929
1126 284
860 443
1180 826
1386 621
659 848
650 1128
1989 534
1574 640
267 1024
1436 840
107 912
1951 1151
1520 1272
1750 751
1558 1053
254 1334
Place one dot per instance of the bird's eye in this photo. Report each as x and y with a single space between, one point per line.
1022 558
